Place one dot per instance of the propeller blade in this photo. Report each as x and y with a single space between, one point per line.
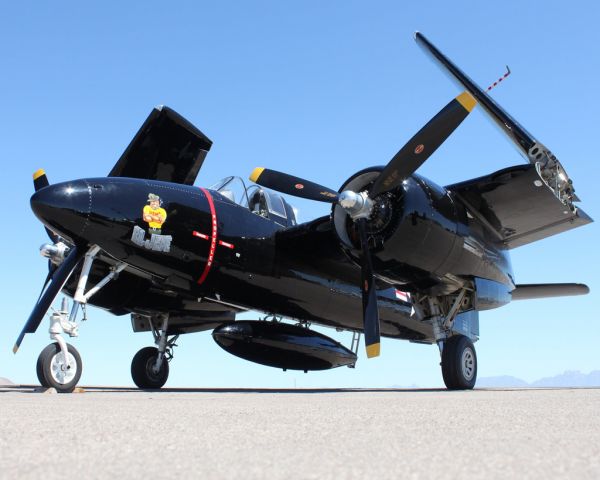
298 187
369 294
524 140
48 278
59 279
41 181
426 141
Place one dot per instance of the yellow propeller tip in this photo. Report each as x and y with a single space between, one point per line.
467 101
15 348
38 173
256 173
373 350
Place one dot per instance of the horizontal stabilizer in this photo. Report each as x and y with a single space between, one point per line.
167 148
547 290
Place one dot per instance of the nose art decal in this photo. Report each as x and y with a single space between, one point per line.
155 216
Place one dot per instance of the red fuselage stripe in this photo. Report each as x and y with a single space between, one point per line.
213 237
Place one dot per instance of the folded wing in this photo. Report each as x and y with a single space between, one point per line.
517 206
167 147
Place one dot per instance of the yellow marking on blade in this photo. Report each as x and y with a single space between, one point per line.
15 348
38 173
256 173
373 350
467 101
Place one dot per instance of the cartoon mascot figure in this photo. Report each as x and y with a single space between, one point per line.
154 214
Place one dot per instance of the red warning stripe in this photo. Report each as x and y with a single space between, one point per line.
225 244
201 235
213 239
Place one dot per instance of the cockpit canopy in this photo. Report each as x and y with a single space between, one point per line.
258 200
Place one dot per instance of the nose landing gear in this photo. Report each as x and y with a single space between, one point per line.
59 365
55 370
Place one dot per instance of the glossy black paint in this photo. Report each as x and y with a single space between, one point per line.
429 243
300 272
282 345
167 147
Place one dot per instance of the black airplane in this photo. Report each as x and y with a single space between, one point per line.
398 256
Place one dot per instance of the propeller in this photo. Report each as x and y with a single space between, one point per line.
359 205
58 279
41 181
57 275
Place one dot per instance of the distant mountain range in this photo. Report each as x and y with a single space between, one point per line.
570 378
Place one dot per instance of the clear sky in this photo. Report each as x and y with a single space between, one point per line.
317 89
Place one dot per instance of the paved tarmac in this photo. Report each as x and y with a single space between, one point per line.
320 434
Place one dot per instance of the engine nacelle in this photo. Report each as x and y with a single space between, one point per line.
413 232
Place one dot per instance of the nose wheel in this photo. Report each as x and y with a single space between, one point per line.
58 371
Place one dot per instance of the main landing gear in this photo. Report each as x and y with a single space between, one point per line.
150 366
459 363
459 360
59 365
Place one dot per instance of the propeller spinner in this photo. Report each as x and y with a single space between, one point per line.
359 205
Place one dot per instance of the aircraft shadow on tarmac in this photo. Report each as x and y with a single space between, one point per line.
106 389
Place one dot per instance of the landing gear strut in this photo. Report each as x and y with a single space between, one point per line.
59 365
459 360
150 366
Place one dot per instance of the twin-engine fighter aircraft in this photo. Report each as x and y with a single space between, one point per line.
398 256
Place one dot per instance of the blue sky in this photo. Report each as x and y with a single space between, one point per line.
317 89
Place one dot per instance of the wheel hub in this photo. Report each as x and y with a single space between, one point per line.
63 371
468 363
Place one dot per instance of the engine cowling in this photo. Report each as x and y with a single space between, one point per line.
413 231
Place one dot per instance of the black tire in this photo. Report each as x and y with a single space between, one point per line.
53 373
141 369
459 363
40 373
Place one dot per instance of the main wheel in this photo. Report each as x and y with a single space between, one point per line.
53 370
459 363
142 369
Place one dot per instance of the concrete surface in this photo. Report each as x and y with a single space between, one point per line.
319 434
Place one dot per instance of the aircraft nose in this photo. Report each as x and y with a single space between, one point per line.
64 207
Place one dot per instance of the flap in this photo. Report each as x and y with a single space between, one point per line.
167 147
518 205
